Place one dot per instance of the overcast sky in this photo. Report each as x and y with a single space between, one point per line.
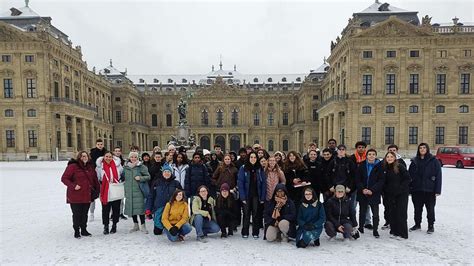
187 37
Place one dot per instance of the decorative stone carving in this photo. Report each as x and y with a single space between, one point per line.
426 21
7 72
441 68
366 68
391 68
466 67
30 73
414 67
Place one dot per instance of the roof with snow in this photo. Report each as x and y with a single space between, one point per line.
20 13
378 12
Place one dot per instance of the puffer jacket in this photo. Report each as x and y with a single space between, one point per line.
84 175
135 200
175 214
225 174
196 176
161 193
426 174
340 211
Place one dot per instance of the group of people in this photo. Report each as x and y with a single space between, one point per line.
287 196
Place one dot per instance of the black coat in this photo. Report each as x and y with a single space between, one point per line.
287 212
96 153
395 184
342 172
326 175
196 175
426 174
373 183
315 176
340 211
226 207
290 175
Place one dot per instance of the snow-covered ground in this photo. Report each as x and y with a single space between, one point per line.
36 228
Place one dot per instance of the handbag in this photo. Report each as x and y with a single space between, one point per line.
116 191
94 194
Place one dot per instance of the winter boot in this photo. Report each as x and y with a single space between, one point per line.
317 243
106 229
114 229
134 228
361 229
77 234
300 244
223 234
157 231
430 229
230 232
84 232
143 229
376 233
123 217
415 227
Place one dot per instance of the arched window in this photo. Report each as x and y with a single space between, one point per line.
269 79
285 145
270 145
9 113
31 113
283 79
154 120
205 142
366 109
220 117
255 80
464 109
204 117
235 117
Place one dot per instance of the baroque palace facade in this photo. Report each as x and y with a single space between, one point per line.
389 79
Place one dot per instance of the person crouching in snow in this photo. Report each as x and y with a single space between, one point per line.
226 211
109 171
341 216
162 190
280 215
311 218
175 217
82 188
204 216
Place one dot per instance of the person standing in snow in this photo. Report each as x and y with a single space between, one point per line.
369 188
109 171
82 188
225 173
425 186
135 172
180 167
95 153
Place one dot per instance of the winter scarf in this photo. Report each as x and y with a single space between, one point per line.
131 165
205 206
280 202
360 158
110 175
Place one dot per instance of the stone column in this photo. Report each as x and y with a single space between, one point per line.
62 125
74 134
325 131
330 126
84 134
320 133
92 135
337 127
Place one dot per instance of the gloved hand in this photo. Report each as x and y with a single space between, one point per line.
147 212
309 227
348 190
355 233
174 231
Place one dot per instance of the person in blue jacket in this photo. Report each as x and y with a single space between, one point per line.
425 186
311 219
369 189
196 175
251 182
280 216
162 190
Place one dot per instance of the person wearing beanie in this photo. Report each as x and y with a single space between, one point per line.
226 211
280 216
310 219
161 192
425 187
203 214
146 159
341 217
136 175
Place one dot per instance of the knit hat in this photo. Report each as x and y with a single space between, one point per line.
225 187
340 188
166 167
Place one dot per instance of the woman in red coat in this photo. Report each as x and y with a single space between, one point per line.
82 187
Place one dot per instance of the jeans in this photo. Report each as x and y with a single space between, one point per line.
204 226
184 230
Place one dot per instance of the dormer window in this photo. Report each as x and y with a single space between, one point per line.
184 81
170 81
255 80
269 79
298 79
141 81
156 81
283 79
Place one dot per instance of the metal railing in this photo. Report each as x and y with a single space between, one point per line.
453 29
334 98
70 101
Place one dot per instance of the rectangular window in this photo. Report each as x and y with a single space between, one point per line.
366 134
31 88
414 53
220 118
439 138
32 138
390 84
56 89
414 84
29 58
463 131
367 54
389 135
391 54
235 118
6 58
315 115
442 53
58 139
366 84
10 134
467 53
412 135
118 116
285 119
256 119
8 88
66 92
270 119
441 84
69 139
169 120
76 95
315 97
413 109
465 83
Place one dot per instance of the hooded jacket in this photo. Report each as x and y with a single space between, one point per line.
426 174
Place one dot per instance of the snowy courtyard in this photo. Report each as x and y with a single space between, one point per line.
36 228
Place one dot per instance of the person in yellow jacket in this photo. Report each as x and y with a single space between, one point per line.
175 217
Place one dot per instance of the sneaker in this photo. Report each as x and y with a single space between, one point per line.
317 243
123 217
376 234
91 217
181 238
368 226
201 239
415 227
386 226
430 229
256 237
113 230
361 230
245 236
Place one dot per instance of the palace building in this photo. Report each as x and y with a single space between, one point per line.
388 79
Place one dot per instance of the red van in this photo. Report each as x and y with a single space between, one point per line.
459 156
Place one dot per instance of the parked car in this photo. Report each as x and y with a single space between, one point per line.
459 156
